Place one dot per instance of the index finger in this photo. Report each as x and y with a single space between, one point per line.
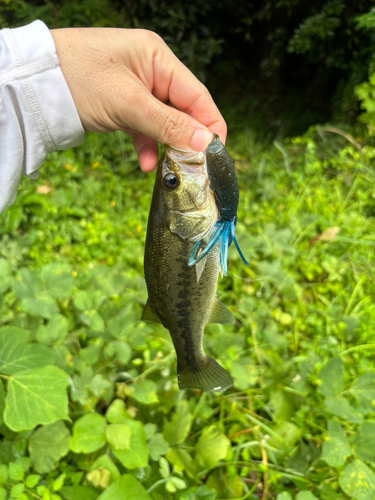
174 83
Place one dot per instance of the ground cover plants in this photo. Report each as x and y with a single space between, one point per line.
90 406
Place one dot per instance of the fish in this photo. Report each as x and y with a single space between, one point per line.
182 297
223 183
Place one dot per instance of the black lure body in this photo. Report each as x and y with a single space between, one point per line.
223 183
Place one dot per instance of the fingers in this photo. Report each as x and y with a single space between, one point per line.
130 80
145 113
174 83
146 149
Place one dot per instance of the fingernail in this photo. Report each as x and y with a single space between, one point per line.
201 139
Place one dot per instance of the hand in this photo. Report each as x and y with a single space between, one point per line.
129 80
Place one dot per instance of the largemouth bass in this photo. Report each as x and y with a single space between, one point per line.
183 297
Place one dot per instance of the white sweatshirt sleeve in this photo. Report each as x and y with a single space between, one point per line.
37 111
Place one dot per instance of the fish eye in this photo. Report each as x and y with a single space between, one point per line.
171 181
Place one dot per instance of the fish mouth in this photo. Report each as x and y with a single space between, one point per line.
179 150
186 157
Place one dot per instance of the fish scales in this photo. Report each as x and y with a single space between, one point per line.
183 210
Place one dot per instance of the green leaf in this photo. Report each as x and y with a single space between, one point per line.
145 392
127 487
157 446
58 280
137 455
106 462
363 389
58 483
47 445
164 469
364 441
244 373
17 490
13 218
85 300
79 492
358 481
116 412
28 285
211 447
174 483
6 451
90 354
336 448
123 352
101 387
55 332
32 480
202 492
119 436
16 355
177 430
44 306
282 405
288 433
340 406
285 495
2 402
3 474
82 300
24 462
182 460
331 378
88 433
3 493
150 430
306 495
5 276
93 320
100 478
16 472
36 397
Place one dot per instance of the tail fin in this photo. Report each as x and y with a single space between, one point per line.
210 377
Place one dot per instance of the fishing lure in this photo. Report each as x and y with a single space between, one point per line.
223 183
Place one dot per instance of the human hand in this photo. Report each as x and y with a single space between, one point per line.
130 80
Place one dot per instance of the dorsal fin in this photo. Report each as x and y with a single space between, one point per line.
220 314
148 314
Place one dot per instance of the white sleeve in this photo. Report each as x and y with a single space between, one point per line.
37 111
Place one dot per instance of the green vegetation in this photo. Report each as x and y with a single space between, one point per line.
277 55
89 403
90 406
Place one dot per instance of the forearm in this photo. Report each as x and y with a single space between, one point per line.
37 112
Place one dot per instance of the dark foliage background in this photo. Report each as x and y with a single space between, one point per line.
273 56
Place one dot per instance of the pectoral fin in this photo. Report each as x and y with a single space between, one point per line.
199 266
221 314
149 315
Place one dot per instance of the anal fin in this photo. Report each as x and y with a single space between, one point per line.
149 314
220 314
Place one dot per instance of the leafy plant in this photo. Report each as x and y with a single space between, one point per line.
89 400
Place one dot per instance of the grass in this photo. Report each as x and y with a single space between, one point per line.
301 351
